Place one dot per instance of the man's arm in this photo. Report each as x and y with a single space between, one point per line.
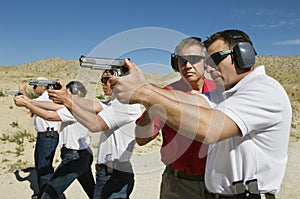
185 114
90 120
50 116
80 110
48 105
87 104
144 131
149 125
196 121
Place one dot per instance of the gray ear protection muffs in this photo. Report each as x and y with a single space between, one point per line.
71 86
244 55
75 87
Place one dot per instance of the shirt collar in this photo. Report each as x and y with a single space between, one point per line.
258 71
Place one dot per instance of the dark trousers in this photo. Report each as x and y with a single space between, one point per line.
118 184
74 165
179 185
43 156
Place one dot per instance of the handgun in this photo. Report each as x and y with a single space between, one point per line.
49 84
14 92
97 63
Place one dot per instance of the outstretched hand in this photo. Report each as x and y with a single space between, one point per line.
126 88
60 96
21 100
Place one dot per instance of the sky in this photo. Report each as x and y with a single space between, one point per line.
145 31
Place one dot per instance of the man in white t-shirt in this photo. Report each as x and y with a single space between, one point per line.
249 131
116 121
74 142
46 141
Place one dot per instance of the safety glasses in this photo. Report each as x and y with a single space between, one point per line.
217 57
192 59
104 80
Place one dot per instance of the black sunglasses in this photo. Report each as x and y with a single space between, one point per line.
104 80
192 59
217 57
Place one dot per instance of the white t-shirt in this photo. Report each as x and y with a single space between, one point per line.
261 108
73 135
41 125
118 142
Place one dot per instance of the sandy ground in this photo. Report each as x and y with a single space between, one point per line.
16 183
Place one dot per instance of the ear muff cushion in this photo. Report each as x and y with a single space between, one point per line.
244 55
174 62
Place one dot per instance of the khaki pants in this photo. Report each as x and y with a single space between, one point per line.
176 188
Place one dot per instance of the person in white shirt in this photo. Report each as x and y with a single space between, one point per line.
74 141
248 131
116 121
46 141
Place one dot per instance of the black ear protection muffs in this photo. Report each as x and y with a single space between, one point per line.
174 61
75 87
244 55
71 86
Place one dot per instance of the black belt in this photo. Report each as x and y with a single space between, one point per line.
66 150
100 166
183 175
47 133
209 195
112 166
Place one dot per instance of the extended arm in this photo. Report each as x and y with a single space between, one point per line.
193 118
80 109
50 116
87 104
48 105
147 126
186 114
90 120
144 129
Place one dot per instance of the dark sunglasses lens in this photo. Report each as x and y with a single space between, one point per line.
193 59
210 62
181 60
104 80
216 58
35 86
